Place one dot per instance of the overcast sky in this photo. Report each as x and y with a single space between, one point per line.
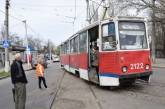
47 19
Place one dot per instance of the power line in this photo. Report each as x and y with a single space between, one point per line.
11 16
21 21
62 6
15 25
29 27
2 11
75 8
96 2
96 10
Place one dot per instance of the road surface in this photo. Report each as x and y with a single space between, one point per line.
36 98
67 91
75 93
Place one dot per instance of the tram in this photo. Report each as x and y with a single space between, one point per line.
123 52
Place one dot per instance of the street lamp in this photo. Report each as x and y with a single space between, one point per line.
27 48
7 35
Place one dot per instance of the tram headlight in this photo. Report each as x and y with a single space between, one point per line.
124 69
147 67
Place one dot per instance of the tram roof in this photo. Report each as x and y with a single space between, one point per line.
122 18
85 28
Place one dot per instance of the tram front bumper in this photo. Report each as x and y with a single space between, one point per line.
136 75
132 77
116 80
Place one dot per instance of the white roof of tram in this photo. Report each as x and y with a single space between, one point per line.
122 18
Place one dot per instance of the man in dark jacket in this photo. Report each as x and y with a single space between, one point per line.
19 81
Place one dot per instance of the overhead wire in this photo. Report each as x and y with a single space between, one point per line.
29 27
11 16
96 10
22 22
37 5
96 2
74 18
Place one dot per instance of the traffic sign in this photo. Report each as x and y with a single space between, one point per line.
6 44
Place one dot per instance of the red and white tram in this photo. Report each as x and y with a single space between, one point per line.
124 53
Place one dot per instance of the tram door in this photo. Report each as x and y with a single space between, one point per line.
93 50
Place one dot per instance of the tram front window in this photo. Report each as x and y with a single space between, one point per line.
132 35
108 37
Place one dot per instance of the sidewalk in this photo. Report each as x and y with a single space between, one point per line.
25 66
160 63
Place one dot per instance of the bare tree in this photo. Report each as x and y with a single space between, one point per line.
156 14
50 46
154 10
2 34
35 43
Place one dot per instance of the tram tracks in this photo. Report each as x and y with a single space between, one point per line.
146 91
138 91
153 84
57 90
146 96
95 96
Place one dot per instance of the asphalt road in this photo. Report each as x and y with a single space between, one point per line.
75 93
138 96
36 98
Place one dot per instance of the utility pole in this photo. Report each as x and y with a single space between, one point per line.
50 52
27 48
88 13
74 19
7 35
75 10
153 33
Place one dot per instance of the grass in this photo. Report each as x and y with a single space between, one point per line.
4 74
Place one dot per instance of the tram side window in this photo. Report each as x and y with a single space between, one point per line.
83 42
72 45
67 51
62 49
65 48
108 37
75 44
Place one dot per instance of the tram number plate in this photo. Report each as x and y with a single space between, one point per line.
137 66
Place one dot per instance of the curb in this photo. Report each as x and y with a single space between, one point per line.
160 66
28 69
3 77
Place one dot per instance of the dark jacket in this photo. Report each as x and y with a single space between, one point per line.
17 74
